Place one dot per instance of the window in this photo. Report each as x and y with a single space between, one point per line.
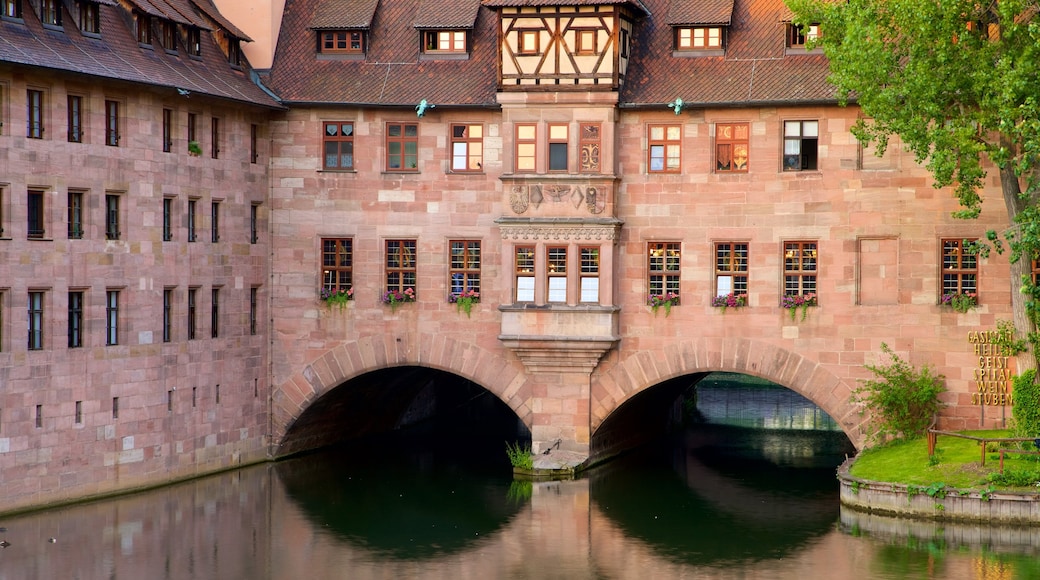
464 266
731 148
214 313
585 41
524 261
664 148
111 217
800 267
143 26
467 147
35 320
526 147
112 123
35 215
253 153
111 317
167 130
115 407
254 223
194 43
663 268
444 41
960 269
527 42
699 38
75 113
191 219
339 145
167 219
214 138
400 265
50 12
731 268
589 286
337 262
345 41
75 215
89 17
34 114
214 221
556 272
798 35
402 147
589 145
800 145
168 32
167 314
75 319
192 303
558 147
12 8
253 308
193 137
79 412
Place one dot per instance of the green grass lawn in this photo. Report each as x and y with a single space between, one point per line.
956 464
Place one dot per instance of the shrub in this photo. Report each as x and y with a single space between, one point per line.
1026 410
902 399
520 456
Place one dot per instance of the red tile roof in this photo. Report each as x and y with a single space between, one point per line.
116 55
342 14
756 66
456 14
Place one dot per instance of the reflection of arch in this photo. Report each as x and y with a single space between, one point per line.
354 358
642 370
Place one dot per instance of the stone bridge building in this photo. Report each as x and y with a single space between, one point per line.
551 199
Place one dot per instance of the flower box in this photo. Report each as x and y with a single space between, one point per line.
667 300
792 302
464 300
338 297
731 300
960 301
394 298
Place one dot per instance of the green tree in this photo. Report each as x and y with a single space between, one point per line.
958 81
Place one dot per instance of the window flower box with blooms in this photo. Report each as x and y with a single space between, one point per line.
464 300
395 298
960 301
667 300
338 297
731 300
792 302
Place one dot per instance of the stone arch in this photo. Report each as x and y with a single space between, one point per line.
354 358
810 378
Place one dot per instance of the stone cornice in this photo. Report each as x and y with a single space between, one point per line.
559 229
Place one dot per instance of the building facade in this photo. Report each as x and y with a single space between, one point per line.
568 202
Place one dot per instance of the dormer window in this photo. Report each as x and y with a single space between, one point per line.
342 41
50 12
698 38
444 41
798 35
89 17
194 42
143 22
169 35
234 53
12 8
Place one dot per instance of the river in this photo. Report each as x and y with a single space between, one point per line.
724 499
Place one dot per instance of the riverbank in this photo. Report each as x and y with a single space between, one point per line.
956 483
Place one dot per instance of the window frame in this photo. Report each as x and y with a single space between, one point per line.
797 37
524 267
89 17
665 142
254 309
214 312
143 28
583 45
699 38
401 264
464 258
112 136
958 269
12 9
735 140
800 160
732 260
664 268
192 220
111 317
342 141
352 42
254 153
528 41
75 322
167 223
337 264
36 311
35 109
36 214
557 140
168 35
167 130
523 143
402 141
112 215
167 320
193 129
472 162
193 305
214 137
254 223
556 258
193 36
75 206
74 110
456 41
214 221
588 269
801 270
50 12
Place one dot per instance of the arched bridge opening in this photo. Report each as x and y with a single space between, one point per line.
437 407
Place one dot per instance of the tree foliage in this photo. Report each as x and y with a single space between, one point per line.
1026 411
958 81
902 399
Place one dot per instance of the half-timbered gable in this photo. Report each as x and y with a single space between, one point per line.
559 43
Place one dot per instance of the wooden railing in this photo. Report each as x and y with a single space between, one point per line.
933 436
